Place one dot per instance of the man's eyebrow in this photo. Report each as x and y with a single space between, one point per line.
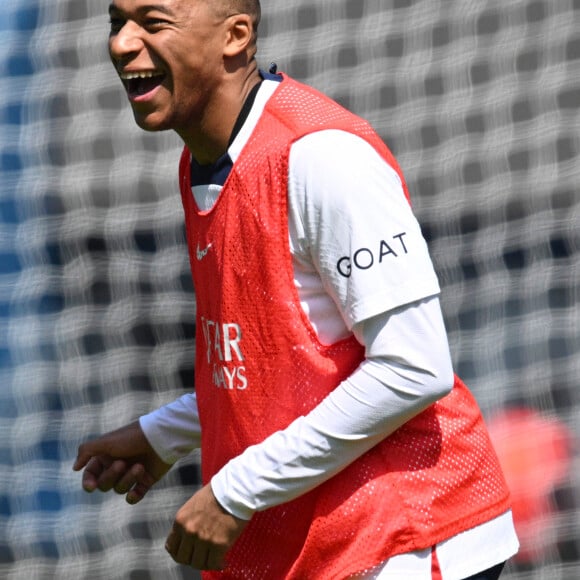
145 9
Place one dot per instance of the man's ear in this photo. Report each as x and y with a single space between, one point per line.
240 34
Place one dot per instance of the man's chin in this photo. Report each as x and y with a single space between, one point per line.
151 123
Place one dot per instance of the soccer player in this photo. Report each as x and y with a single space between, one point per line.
336 442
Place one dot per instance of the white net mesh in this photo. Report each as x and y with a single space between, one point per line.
480 102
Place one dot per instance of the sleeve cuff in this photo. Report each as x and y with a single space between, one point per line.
173 430
219 487
154 436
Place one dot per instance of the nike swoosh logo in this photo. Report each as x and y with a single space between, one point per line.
201 254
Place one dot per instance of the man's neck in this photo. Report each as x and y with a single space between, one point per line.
211 139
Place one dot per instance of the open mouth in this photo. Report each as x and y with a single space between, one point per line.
141 83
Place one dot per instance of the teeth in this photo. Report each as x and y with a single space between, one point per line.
139 75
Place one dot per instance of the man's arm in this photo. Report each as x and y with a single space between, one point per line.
381 395
377 399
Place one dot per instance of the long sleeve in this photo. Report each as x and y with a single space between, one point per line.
386 391
173 430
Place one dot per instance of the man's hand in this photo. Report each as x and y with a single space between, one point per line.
203 532
121 460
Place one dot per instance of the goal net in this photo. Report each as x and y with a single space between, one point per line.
479 101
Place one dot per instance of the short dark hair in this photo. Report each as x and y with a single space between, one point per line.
230 7
250 7
253 8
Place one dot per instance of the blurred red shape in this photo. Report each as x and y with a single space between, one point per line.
535 453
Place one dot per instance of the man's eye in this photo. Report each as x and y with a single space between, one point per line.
153 23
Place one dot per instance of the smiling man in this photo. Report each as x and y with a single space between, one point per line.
172 56
336 440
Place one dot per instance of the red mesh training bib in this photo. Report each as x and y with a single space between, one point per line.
259 366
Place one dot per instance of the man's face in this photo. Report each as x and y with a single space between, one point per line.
168 54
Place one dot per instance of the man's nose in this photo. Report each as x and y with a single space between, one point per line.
125 42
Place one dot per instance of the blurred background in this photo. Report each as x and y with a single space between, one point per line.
479 101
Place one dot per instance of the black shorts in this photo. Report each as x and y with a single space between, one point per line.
490 574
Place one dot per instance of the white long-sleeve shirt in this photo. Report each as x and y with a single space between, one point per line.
397 317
